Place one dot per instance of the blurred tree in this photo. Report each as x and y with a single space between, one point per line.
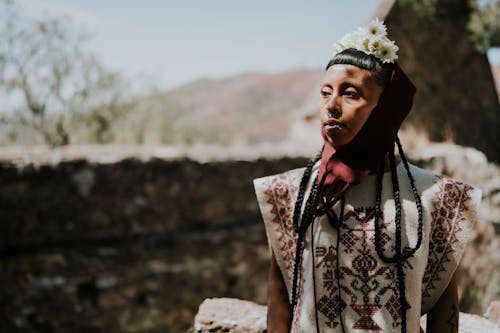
484 24
50 79
483 17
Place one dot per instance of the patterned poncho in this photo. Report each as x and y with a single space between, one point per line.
354 287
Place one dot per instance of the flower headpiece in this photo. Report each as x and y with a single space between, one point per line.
371 39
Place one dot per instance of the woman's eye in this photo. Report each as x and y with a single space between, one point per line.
325 93
351 93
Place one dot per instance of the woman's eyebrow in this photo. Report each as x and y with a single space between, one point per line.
351 84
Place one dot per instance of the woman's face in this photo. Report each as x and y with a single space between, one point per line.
348 96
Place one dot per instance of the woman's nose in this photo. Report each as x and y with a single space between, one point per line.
332 106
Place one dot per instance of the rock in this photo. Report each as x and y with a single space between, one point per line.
446 105
238 316
109 244
230 315
493 313
479 277
470 323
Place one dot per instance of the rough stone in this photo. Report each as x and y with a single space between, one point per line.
479 276
238 316
442 62
129 246
493 313
471 323
230 315
154 236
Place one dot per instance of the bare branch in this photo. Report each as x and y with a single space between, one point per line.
43 61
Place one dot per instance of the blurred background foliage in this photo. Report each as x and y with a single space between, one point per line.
57 93
483 24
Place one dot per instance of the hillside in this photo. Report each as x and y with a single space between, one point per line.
245 109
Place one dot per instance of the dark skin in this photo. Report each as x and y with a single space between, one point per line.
443 318
349 92
278 309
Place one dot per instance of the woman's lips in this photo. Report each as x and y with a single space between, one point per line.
332 125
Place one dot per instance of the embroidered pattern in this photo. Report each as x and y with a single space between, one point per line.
329 304
369 293
281 193
369 284
451 201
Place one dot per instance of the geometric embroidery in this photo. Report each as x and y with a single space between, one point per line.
281 194
392 306
364 281
366 321
349 239
451 200
361 214
368 286
329 305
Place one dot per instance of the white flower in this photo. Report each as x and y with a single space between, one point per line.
371 43
376 28
387 51
371 40
351 40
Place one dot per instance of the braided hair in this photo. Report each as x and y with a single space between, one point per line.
301 224
381 74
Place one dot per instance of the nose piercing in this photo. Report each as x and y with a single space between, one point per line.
333 114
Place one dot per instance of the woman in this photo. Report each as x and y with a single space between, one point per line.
358 246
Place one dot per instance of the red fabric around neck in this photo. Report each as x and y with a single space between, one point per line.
348 165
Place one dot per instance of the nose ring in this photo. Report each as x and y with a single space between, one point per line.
333 114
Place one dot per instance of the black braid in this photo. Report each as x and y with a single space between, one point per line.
402 294
302 190
306 220
297 262
399 262
397 201
416 196
314 277
400 256
378 200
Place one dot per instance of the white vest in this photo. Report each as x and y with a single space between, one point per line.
369 294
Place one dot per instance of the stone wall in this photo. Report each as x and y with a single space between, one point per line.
128 246
237 316
106 241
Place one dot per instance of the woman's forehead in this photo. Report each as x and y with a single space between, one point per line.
341 72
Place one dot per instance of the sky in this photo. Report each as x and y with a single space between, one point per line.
172 42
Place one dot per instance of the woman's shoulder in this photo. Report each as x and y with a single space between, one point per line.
420 174
287 178
445 189
437 179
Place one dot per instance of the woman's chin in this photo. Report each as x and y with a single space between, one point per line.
336 140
